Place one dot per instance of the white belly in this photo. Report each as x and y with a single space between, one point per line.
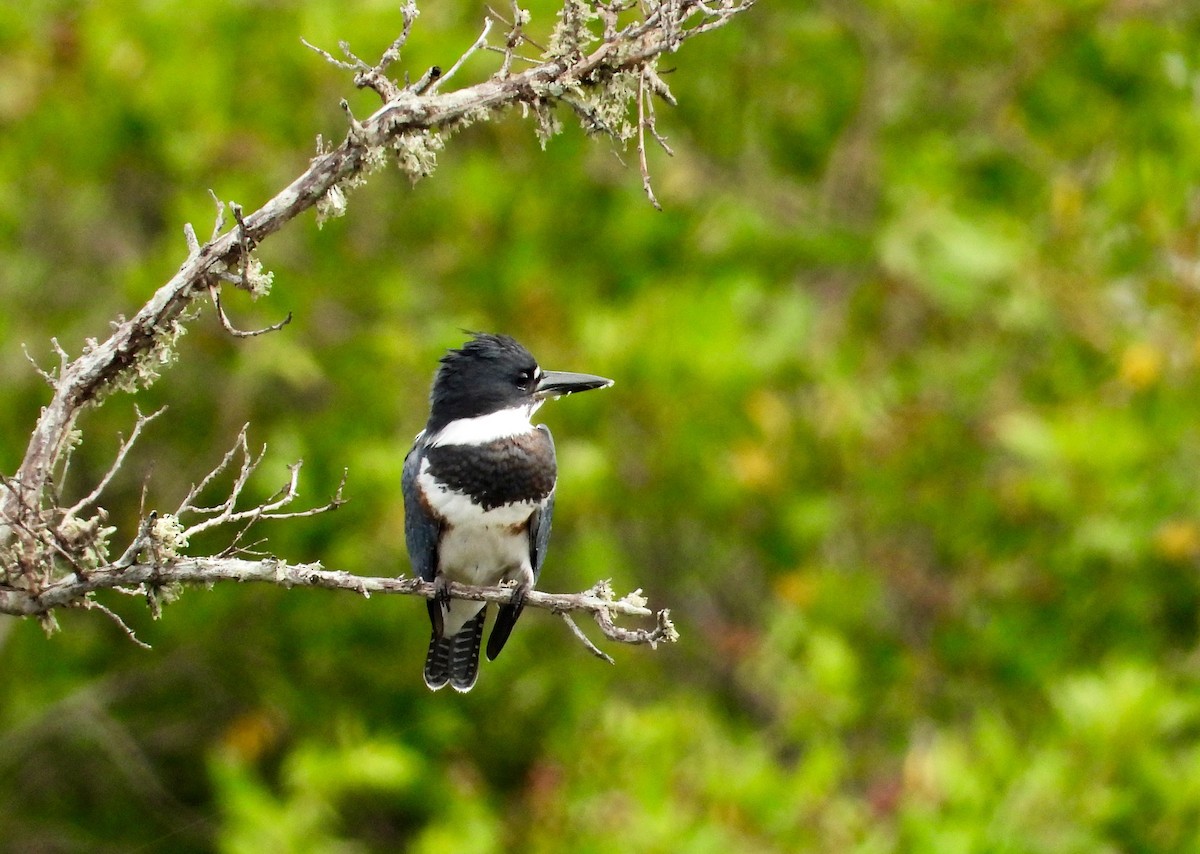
484 554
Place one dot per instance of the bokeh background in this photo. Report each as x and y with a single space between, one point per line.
906 433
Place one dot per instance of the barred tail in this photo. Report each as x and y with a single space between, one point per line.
455 659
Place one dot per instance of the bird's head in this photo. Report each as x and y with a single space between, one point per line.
494 373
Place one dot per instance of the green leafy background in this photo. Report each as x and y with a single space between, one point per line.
905 433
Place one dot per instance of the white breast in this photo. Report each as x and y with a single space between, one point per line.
480 547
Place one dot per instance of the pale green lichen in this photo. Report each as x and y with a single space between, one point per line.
573 33
551 89
149 363
258 279
548 124
374 159
635 599
603 590
168 537
86 540
13 559
605 109
331 205
49 622
159 595
416 153
72 440
470 117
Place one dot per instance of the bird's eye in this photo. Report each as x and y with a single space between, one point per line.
525 380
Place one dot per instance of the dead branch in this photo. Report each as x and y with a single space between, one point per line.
644 121
579 65
599 601
227 512
600 60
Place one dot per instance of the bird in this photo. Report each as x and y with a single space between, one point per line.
478 489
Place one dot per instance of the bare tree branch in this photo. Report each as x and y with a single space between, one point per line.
600 59
578 62
599 601
516 36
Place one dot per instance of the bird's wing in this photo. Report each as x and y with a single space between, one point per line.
539 525
420 528
421 531
539 539
539 535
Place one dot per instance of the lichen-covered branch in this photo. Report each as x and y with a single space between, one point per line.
590 61
600 601
599 60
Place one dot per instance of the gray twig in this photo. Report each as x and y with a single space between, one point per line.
214 292
118 461
42 372
584 639
93 605
643 122
479 42
227 512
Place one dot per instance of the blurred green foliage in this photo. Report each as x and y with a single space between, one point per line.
904 432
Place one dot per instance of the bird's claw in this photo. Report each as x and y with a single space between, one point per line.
441 591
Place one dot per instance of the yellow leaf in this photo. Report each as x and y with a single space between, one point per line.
797 588
1141 365
754 467
1177 540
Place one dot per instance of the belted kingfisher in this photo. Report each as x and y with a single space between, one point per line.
479 494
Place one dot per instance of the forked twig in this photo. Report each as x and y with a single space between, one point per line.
118 461
641 140
479 42
49 377
239 444
226 513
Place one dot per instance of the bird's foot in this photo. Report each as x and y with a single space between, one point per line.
520 591
441 591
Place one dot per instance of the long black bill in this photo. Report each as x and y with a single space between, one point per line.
560 383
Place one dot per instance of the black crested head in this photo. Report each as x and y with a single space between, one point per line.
491 373
487 374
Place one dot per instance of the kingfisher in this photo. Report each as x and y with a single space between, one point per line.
478 490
